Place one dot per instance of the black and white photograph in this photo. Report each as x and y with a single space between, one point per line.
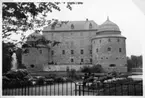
72 48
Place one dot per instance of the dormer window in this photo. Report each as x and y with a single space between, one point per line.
72 26
90 25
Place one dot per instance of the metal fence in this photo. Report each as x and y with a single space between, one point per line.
75 89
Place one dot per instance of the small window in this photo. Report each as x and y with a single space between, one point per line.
120 50
63 51
118 40
112 65
109 40
52 52
97 50
90 25
82 60
32 66
40 51
72 51
90 60
109 49
101 57
100 41
117 58
72 60
106 57
90 51
82 52
72 26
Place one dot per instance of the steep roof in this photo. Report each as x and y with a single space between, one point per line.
73 25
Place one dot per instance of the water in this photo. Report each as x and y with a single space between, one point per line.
14 62
136 77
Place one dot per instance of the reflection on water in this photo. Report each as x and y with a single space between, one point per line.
136 77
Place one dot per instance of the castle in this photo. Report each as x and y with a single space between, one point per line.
81 43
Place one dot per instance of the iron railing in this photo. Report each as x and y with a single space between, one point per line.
75 89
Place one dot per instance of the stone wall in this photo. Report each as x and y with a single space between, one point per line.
35 58
76 41
63 67
102 56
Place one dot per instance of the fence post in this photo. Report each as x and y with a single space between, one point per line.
83 90
79 90
115 88
58 88
75 89
25 90
28 90
134 89
62 88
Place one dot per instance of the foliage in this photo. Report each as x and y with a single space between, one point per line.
18 17
16 78
72 74
134 62
7 51
94 69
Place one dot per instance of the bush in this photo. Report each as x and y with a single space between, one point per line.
16 78
94 69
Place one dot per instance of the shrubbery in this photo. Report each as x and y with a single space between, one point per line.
94 69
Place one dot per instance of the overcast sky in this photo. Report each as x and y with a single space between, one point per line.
124 13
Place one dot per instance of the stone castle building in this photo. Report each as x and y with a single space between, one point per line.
82 43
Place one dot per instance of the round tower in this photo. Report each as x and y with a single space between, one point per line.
35 55
109 48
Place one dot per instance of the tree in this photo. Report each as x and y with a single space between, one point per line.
95 69
19 17
134 62
8 49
